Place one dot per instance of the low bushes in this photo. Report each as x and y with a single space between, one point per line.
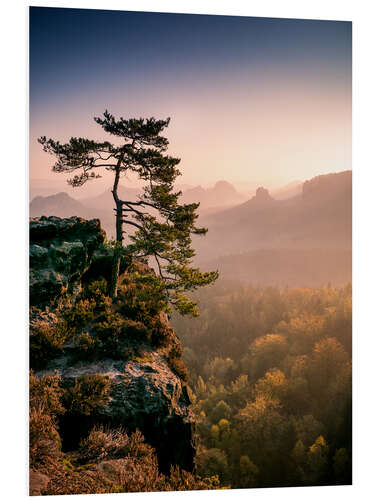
86 394
44 440
176 363
93 327
46 343
103 444
45 407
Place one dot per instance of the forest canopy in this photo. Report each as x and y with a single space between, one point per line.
273 400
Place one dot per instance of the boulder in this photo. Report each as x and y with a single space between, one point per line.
144 394
61 250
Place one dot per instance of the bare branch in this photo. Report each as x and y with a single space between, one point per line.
126 221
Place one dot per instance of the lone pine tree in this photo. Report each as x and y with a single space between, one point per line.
163 227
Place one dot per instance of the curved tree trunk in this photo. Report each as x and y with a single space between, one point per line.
119 238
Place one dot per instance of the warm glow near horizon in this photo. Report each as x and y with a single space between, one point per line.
260 102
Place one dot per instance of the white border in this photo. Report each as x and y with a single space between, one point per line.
14 126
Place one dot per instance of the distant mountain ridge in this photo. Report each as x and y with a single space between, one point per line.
222 194
63 205
310 230
319 218
59 204
104 201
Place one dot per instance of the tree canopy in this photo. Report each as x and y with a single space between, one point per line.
163 226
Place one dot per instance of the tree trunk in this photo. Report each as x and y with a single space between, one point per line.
119 237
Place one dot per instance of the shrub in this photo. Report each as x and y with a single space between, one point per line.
46 392
46 342
109 326
181 480
119 463
140 299
176 362
134 319
86 346
161 332
45 406
74 482
44 440
114 335
97 290
136 466
87 394
103 444
110 332
80 314
137 330
139 472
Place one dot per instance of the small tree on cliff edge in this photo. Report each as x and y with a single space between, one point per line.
163 226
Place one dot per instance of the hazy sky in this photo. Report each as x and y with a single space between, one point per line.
251 100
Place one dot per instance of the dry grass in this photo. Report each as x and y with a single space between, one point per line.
103 444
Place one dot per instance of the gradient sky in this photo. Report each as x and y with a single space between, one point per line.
251 100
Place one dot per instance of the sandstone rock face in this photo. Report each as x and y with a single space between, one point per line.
144 394
61 251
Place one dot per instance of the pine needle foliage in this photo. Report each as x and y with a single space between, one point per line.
163 226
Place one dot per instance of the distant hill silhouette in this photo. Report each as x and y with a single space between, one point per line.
59 204
63 205
320 217
223 194
105 200
313 227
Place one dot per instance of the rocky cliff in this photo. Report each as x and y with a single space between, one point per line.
119 364
61 250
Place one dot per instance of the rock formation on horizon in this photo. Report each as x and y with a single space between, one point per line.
262 195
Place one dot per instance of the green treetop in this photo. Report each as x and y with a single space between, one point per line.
163 226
